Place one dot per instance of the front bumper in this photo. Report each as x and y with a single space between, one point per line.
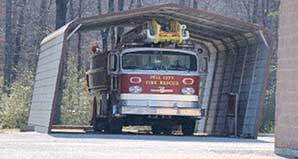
170 111
159 104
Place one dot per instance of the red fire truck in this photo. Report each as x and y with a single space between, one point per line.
152 78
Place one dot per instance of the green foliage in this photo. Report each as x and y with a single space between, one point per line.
14 108
267 123
268 127
75 103
273 14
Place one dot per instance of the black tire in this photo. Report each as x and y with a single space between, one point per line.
100 124
167 131
115 127
159 129
188 127
155 129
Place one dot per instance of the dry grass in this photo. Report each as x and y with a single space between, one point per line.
9 131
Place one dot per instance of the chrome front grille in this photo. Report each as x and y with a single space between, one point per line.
159 103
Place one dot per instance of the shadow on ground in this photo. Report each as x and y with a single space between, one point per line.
148 137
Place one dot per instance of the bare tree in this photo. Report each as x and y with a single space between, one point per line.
139 3
111 9
135 4
104 32
8 45
71 9
61 10
182 2
255 9
79 59
19 32
42 23
120 29
195 4
252 9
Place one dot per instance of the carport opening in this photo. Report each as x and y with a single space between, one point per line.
75 105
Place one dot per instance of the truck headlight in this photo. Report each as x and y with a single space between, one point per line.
135 89
187 91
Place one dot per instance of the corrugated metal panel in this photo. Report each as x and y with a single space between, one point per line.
208 86
256 92
46 80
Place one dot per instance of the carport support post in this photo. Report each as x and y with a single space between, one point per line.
240 88
208 87
236 115
225 86
214 93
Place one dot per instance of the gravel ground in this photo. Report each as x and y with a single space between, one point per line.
83 146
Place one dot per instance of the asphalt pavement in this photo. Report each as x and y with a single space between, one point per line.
33 145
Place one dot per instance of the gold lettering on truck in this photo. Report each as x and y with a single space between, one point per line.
162 80
169 83
155 77
151 83
168 78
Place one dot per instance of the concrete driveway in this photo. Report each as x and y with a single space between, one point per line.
84 146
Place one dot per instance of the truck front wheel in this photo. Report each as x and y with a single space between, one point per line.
158 129
188 127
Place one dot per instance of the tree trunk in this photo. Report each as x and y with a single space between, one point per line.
195 4
104 32
135 4
112 29
71 10
8 46
121 5
72 15
42 30
139 3
264 11
131 4
80 38
19 34
182 2
255 11
61 10
111 7
120 29
42 18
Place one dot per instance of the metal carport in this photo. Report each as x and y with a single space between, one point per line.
239 60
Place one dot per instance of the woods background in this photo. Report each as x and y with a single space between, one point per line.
24 23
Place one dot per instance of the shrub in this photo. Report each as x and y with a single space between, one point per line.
14 108
75 109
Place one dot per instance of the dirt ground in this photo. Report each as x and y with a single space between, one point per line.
32 145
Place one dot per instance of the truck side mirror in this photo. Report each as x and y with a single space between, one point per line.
204 65
113 60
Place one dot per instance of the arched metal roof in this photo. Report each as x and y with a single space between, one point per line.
203 25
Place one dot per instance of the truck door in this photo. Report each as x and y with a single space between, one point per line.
113 70
113 67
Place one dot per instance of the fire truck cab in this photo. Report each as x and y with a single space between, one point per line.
156 85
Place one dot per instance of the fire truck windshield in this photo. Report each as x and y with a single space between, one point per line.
159 60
